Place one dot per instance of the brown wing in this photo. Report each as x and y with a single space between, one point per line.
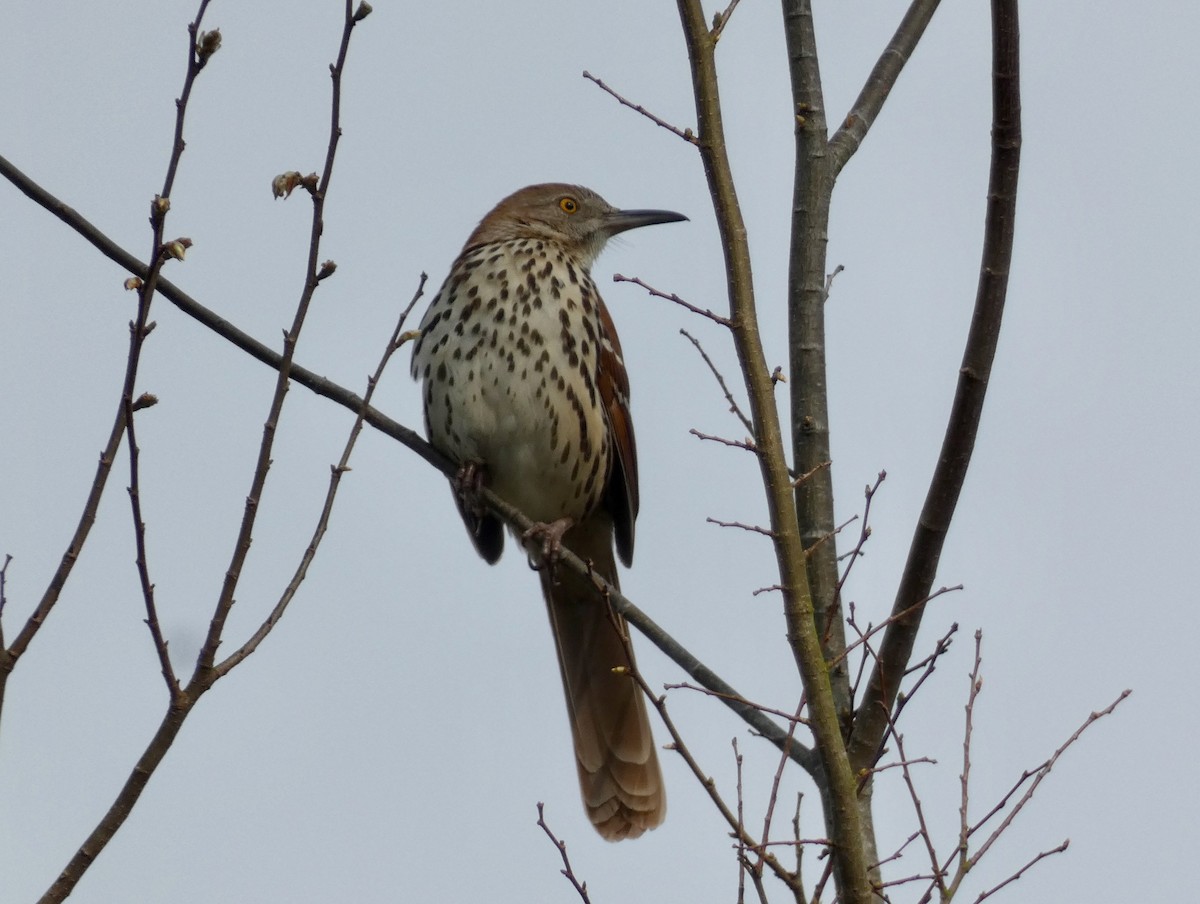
621 494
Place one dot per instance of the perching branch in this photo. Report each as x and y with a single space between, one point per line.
334 392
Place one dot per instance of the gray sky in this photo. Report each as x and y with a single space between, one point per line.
390 739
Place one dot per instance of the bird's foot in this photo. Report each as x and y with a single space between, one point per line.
549 536
468 484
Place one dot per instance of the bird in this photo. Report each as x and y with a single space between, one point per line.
525 388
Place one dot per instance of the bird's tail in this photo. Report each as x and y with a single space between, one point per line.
619 775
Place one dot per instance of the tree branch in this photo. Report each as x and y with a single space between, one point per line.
959 442
336 393
880 82
807 290
835 778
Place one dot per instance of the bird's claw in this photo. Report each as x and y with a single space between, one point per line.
468 484
547 535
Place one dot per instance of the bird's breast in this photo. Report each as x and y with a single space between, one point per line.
509 356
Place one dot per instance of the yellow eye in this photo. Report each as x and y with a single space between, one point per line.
568 205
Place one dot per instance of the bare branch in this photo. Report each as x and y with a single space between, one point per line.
580 887
864 534
1038 775
964 825
199 51
922 827
744 865
753 528
783 759
3 597
721 19
1019 873
703 312
205 673
182 702
880 82
707 782
789 718
735 443
807 289
394 343
808 475
686 134
849 850
733 405
143 567
959 442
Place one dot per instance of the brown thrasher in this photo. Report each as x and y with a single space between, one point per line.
524 386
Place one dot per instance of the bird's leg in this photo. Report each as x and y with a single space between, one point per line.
468 483
549 535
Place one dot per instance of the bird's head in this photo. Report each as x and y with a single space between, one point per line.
569 215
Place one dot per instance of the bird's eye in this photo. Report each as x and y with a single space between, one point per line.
568 205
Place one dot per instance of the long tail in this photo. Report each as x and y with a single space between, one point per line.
614 748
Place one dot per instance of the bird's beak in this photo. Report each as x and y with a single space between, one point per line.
623 220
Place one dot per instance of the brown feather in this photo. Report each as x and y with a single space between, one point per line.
619 775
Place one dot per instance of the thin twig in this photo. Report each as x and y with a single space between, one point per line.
786 716
746 444
179 704
733 405
864 533
1019 873
580 887
796 837
703 312
3 594
1038 775
919 809
899 852
686 134
903 699
810 473
201 47
826 537
964 824
205 674
743 864
394 343
707 782
753 528
721 19
141 561
775 783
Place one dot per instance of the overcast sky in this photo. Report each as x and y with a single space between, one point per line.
390 740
